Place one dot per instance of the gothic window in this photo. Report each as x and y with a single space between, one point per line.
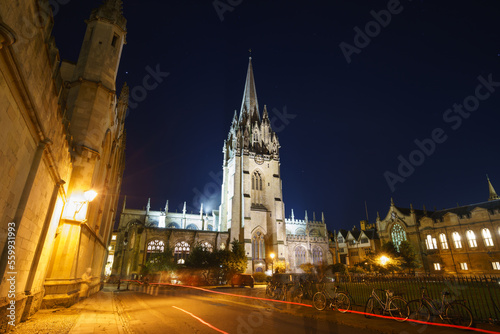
314 233
207 246
300 231
488 241
191 227
258 246
457 240
430 242
317 255
181 252
210 227
256 188
173 225
443 241
255 137
300 256
156 246
398 235
471 238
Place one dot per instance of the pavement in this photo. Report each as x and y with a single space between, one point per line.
103 313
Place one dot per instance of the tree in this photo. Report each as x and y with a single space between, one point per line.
157 262
408 256
231 262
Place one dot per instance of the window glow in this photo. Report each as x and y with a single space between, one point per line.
488 240
471 237
443 240
457 240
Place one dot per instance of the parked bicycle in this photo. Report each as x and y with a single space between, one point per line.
339 300
277 290
396 306
454 312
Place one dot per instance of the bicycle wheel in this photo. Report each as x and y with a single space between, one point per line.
418 311
458 314
342 302
398 309
319 301
370 307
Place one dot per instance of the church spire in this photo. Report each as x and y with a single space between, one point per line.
493 193
249 103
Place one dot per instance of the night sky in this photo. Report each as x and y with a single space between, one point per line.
348 124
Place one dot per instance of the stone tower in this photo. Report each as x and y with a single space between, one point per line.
92 92
252 207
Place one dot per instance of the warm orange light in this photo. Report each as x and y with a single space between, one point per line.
384 260
77 205
272 256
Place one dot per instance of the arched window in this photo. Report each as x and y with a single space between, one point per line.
471 238
156 246
398 235
430 242
457 239
256 188
488 240
181 251
173 225
300 256
207 246
258 246
314 233
191 227
300 231
317 255
210 227
443 241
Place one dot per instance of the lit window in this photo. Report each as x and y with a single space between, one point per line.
457 240
444 242
207 246
437 266
300 256
398 235
113 237
181 251
430 242
471 238
463 266
496 265
488 241
156 246
317 255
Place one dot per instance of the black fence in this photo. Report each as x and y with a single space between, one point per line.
480 293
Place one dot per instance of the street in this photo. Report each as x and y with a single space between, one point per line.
192 311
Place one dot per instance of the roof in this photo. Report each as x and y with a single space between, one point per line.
464 211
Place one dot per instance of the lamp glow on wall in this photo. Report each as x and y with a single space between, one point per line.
77 205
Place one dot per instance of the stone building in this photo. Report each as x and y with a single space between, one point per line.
61 143
461 240
354 246
252 208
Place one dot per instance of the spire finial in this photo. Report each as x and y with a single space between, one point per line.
378 216
306 219
293 216
392 202
249 53
250 104
184 209
322 217
493 193
166 207
124 203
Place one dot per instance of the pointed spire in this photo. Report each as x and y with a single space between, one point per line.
322 217
392 202
124 203
201 210
250 103
378 216
314 216
493 193
148 206
265 115
293 216
425 210
411 208
184 209
166 207
306 219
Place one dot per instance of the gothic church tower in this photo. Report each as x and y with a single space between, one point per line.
252 205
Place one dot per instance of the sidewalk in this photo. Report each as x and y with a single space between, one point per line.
99 313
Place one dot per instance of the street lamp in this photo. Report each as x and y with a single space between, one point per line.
272 263
384 260
76 207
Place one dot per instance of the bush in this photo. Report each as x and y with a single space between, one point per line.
259 277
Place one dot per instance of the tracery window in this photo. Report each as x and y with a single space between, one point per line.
258 246
443 241
300 231
317 255
191 227
457 240
156 246
181 252
173 225
207 246
471 238
488 240
398 235
300 256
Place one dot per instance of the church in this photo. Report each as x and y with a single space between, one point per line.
252 209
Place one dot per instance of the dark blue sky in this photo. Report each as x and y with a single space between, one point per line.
348 123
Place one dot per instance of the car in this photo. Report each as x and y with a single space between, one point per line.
242 280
